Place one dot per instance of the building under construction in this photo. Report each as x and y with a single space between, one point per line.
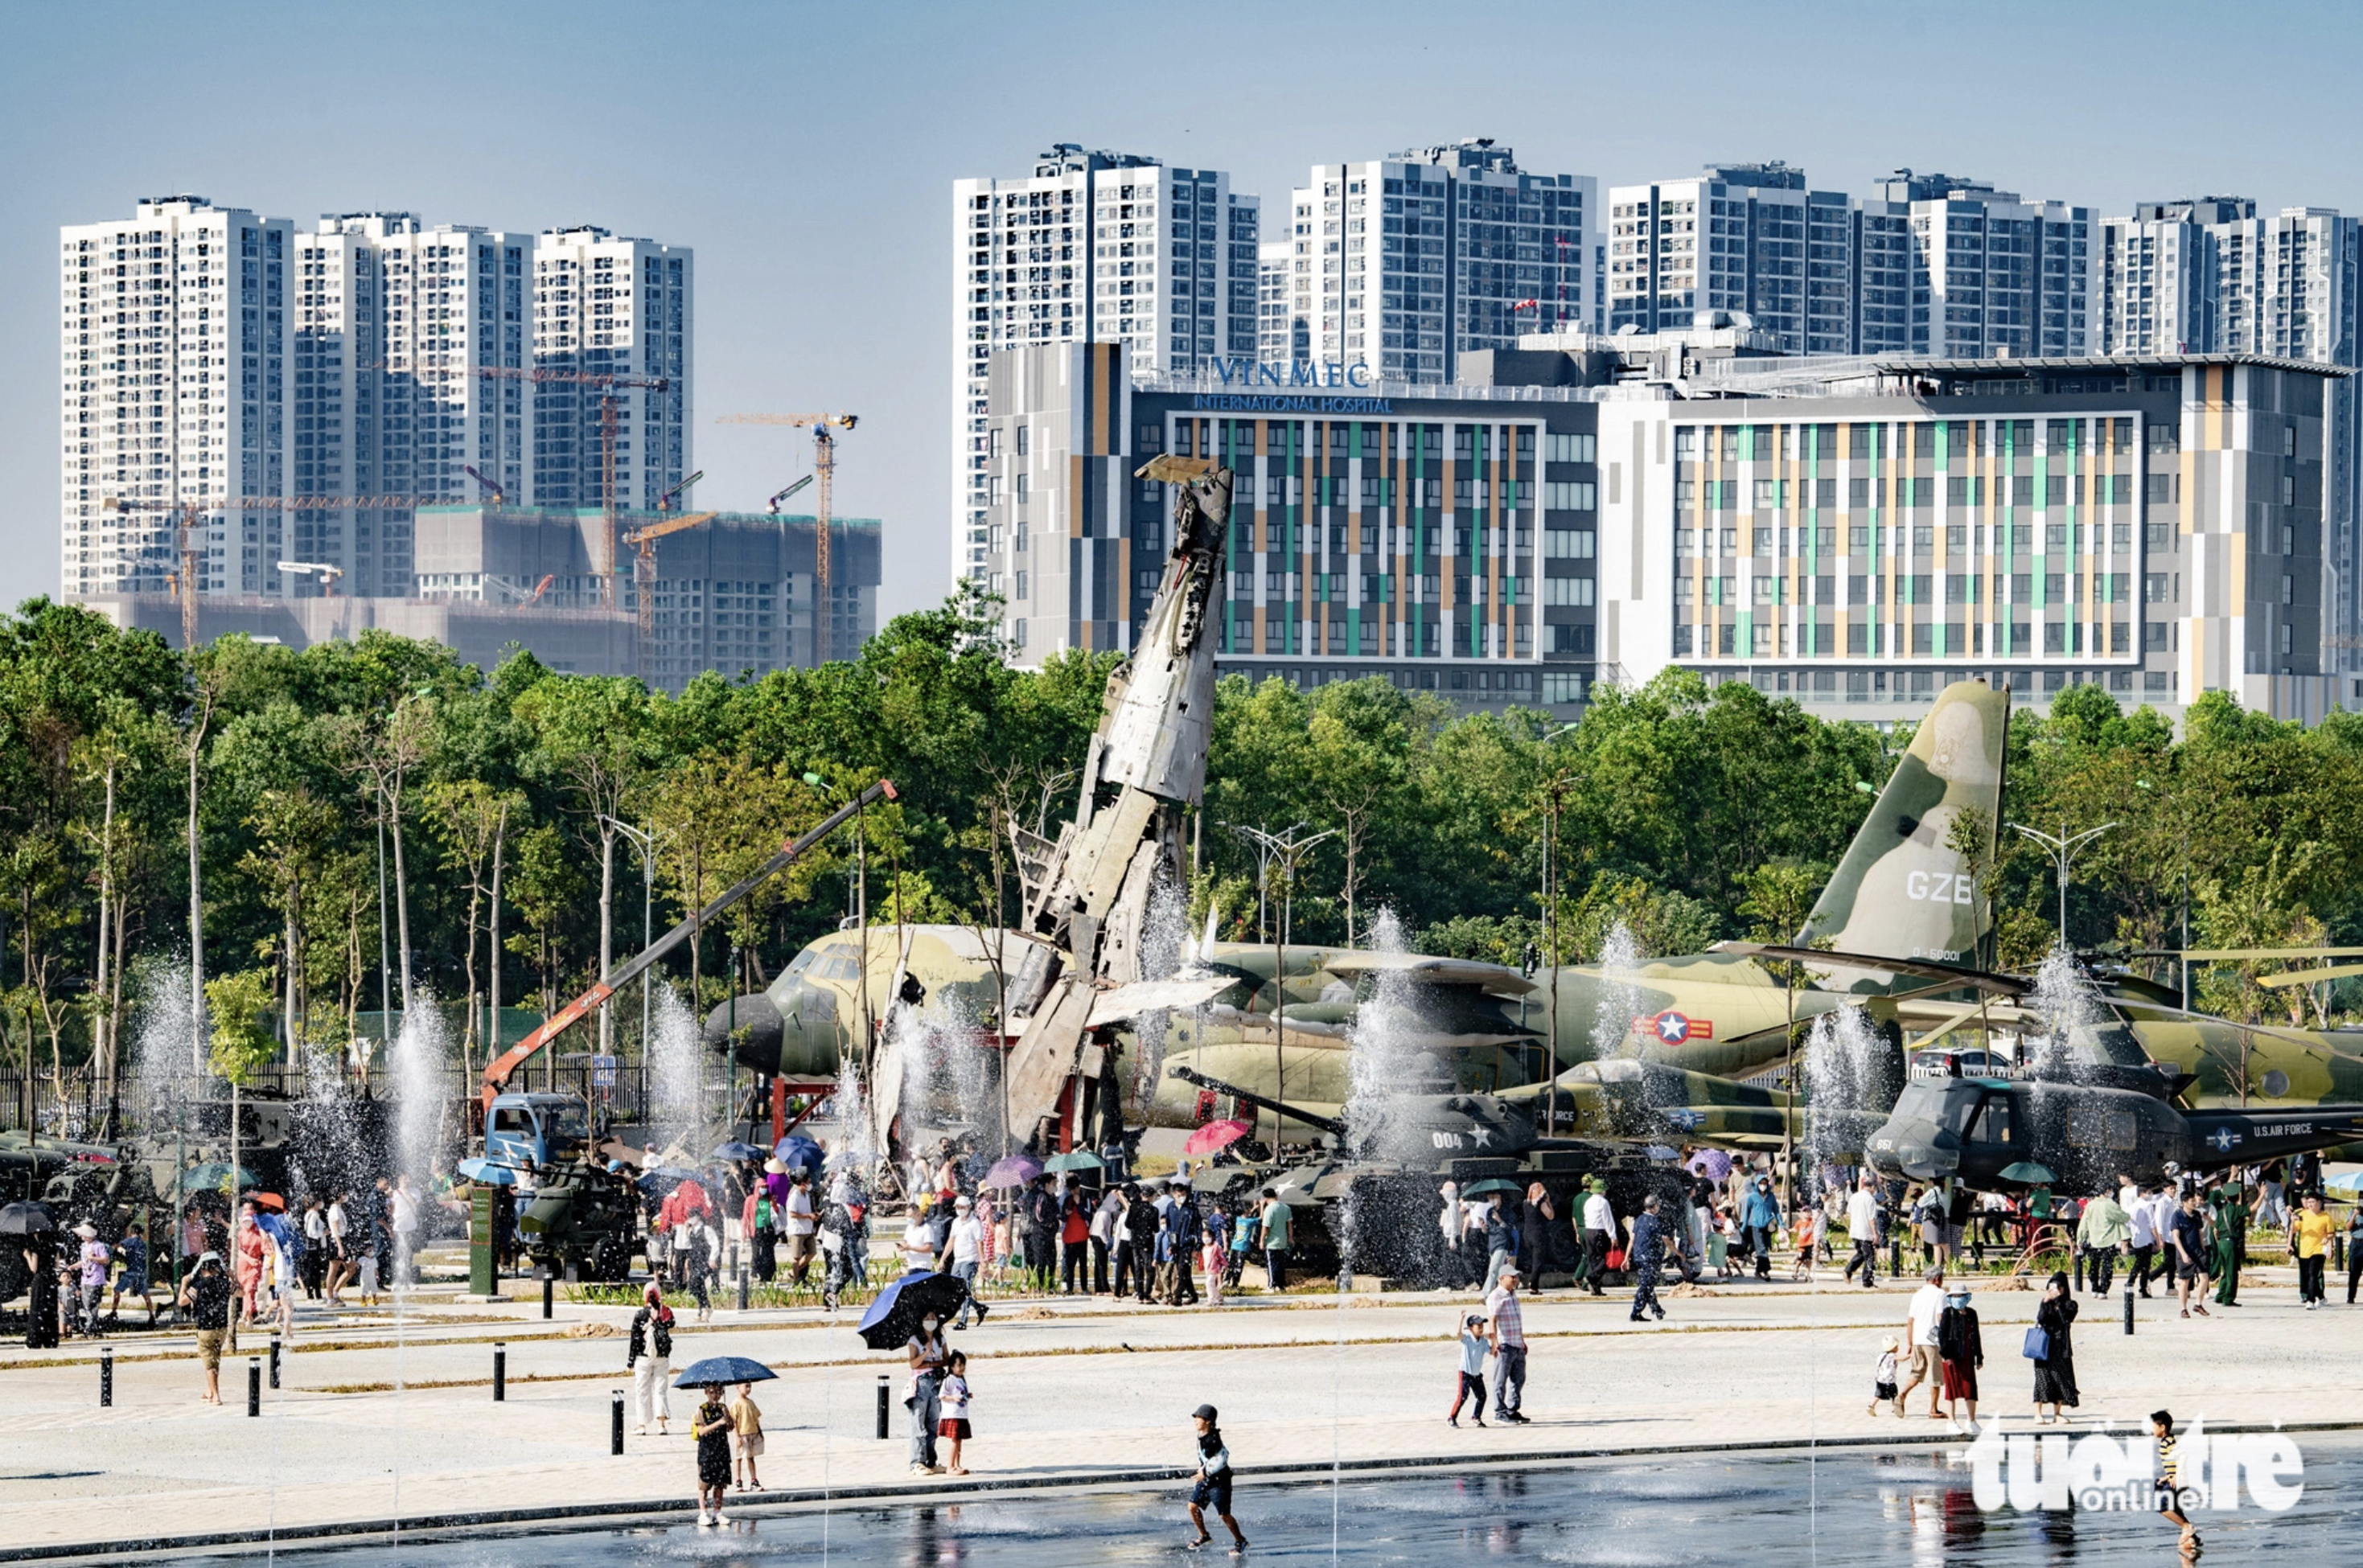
738 593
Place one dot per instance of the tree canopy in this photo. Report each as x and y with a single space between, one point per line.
1682 811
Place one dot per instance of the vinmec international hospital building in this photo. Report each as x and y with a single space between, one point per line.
1851 532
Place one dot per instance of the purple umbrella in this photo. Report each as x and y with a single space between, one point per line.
1015 1170
1712 1164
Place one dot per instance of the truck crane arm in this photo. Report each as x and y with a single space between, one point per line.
498 1071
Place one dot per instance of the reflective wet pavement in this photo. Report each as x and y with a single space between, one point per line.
1858 1506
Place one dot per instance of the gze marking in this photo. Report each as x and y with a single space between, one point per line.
1940 887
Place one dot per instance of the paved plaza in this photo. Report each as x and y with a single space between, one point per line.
382 1420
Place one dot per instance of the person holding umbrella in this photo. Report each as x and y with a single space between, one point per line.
36 1230
926 1354
711 1427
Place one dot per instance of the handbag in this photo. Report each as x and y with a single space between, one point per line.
2038 1344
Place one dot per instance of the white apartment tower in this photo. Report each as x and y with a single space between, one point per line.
1281 337
397 325
1091 246
1991 275
172 384
603 305
2210 276
1741 239
1404 263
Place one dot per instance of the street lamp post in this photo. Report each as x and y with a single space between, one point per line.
1287 849
1557 793
2062 847
644 840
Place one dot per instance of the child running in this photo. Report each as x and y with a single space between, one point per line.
953 1396
1473 1346
2166 1488
746 1437
711 1427
1213 1483
1882 1377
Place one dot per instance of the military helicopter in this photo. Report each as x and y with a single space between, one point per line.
2075 1129
1368 1201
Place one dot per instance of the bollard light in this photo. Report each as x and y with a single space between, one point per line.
500 1372
882 1408
107 1377
616 1421
254 1385
744 1288
548 1294
2129 1304
274 1361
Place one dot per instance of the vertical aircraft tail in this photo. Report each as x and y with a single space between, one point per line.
1903 891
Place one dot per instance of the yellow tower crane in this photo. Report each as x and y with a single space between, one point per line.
644 578
824 471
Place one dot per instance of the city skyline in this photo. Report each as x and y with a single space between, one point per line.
819 273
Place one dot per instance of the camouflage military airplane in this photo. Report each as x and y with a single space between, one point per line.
1903 891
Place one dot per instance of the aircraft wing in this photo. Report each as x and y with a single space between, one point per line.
1496 978
1127 1002
1887 968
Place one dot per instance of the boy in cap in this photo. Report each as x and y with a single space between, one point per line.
1473 1345
1213 1483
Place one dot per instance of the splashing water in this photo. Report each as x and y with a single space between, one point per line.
1165 952
1843 1077
1380 1052
851 1103
676 1064
157 1073
419 1072
1621 959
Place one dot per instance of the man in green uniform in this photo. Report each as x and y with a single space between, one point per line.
2231 1243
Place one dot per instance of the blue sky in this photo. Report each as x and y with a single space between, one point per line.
806 151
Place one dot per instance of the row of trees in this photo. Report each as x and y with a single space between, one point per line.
378 797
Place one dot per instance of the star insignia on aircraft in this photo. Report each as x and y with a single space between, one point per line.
1674 1027
2223 1138
1685 1118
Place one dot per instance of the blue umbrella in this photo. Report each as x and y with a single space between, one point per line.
2345 1181
485 1172
722 1369
737 1153
893 1317
796 1151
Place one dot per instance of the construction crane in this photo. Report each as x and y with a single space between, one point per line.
541 588
664 502
772 506
644 576
608 384
500 496
824 469
326 573
184 583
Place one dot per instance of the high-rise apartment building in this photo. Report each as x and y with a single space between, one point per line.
1091 246
1992 275
1737 238
1404 263
605 305
173 391
2210 276
395 325
211 355
1929 264
1281 337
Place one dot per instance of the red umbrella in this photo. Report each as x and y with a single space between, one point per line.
1216 1135
268 1200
